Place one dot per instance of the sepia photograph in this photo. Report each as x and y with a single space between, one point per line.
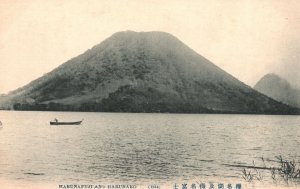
149 94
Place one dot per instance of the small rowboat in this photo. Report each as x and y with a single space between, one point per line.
65 123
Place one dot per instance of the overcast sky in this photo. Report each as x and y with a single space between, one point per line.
245 38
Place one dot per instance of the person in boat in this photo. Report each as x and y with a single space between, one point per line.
56 120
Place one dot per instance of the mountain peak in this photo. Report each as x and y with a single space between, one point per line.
142 33
142 72
273 79
152 36
273 75
279 89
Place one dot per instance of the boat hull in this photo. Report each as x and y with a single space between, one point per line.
65 123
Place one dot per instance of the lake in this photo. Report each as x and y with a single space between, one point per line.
141 149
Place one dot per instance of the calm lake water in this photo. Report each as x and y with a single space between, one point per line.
140 148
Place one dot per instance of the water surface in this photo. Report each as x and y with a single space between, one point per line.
140 148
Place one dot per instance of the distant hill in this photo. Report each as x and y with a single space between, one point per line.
142 72
279 89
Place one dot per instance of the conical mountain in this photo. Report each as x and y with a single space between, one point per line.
142 72
279 89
